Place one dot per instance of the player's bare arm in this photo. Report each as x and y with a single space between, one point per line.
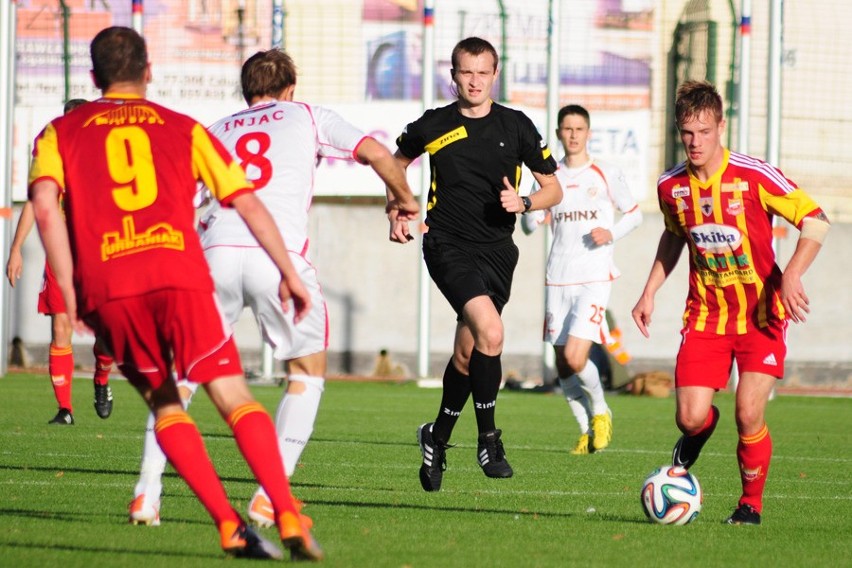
44 195
391 171
15 265
398 214
792 293
668 253
262 226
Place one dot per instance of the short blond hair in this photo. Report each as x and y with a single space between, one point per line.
695 97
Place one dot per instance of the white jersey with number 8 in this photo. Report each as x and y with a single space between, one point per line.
279 144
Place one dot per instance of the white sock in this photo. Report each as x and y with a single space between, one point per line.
590 380
153 464
153 459
295 417
577 401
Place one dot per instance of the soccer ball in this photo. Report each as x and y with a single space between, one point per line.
671 496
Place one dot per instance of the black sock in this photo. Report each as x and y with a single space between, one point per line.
455 394
486 372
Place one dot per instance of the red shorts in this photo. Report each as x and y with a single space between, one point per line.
149 335
50 300
705 359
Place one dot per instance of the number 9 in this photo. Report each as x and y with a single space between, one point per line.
131 166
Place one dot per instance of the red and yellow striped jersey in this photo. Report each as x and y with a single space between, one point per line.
128 170
727 222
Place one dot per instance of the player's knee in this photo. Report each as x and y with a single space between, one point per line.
690 420
749 419
576 361
62 331
461 361
490 340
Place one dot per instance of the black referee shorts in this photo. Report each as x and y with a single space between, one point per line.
463 271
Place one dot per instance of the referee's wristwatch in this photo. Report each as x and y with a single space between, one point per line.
527 203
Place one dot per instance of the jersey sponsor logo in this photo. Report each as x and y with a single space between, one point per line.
717 262
706 204
459 133
678 191
250 121
711 237
735 207
574 216
723 279
736 186
126 114
724 262
592 191
160 235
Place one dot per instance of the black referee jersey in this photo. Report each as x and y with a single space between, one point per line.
468 159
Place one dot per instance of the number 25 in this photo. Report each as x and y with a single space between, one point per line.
597 314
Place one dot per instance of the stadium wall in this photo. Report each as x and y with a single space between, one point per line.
616 57
371 289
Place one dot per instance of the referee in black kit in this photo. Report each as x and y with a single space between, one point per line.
476 148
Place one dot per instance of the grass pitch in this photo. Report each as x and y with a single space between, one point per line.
64 490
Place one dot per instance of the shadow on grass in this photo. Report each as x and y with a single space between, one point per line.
115 552
86 516
396 506
169 474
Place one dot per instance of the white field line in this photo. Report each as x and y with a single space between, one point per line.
500 492
229 440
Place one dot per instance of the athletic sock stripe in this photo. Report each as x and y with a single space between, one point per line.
755 438
242 411
172 420
60 350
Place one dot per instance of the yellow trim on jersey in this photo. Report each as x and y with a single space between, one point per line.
719 219
545 152
459 133
222 177
793 206
740 288
48 163
695 196
434 188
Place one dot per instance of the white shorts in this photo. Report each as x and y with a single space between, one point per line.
578 310
247 277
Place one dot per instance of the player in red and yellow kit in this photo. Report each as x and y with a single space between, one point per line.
129 262
720 204
50 303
